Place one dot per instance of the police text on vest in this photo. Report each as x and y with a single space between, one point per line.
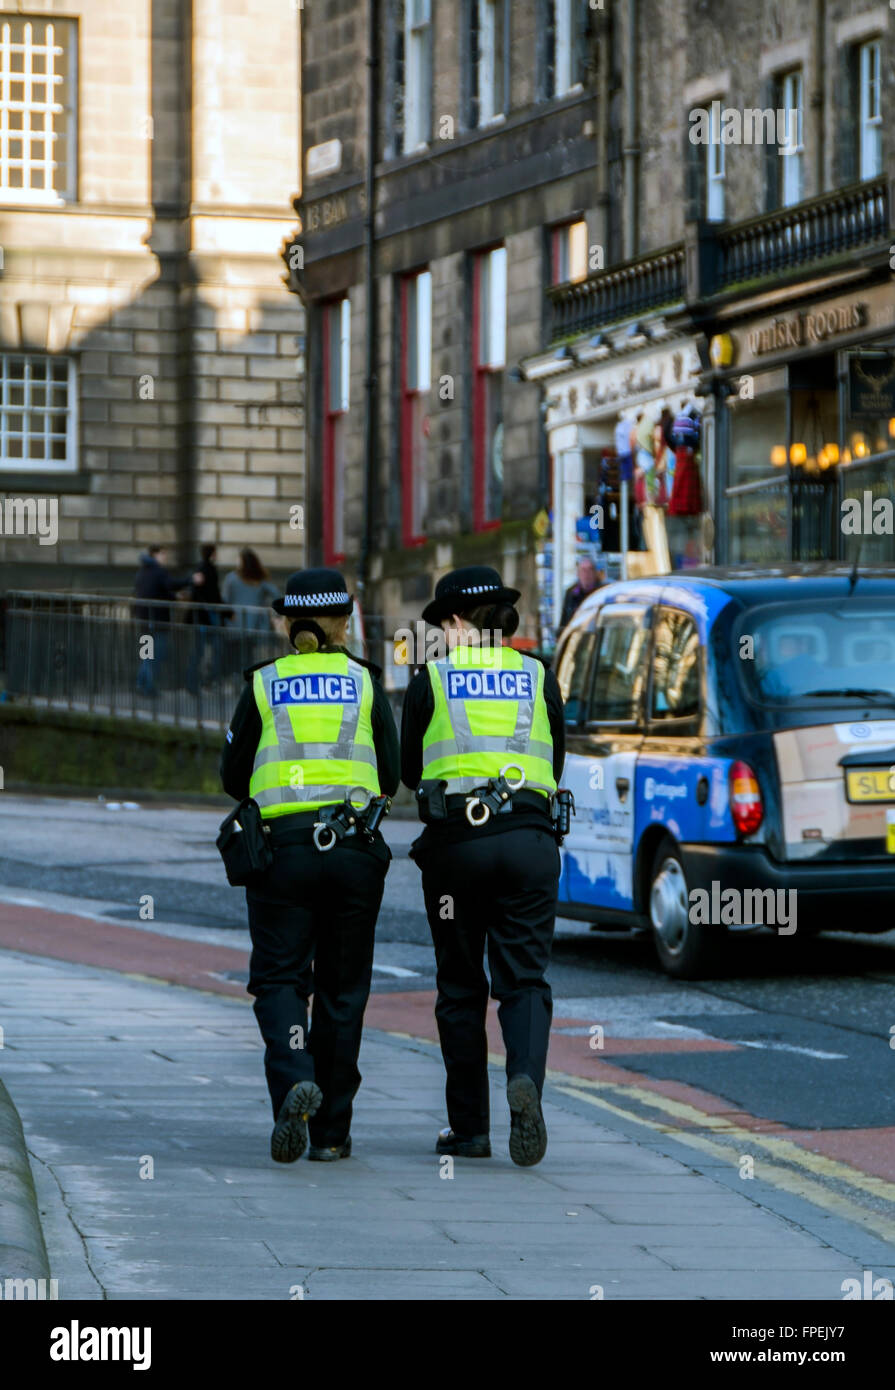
314 690
489 685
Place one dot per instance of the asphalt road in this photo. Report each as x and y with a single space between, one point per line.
798 1031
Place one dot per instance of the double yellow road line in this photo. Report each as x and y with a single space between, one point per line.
777 1161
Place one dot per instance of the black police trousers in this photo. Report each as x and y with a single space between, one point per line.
312 918
500 891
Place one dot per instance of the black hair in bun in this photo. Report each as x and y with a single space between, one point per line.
502 618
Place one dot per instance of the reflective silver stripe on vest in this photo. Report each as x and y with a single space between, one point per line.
485 743
279 796
465 741
456 785
324 752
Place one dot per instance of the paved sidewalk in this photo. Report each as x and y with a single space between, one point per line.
114 1076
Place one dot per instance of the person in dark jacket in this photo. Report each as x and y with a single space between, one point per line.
154 583
589 580
205 587
489 877
311 729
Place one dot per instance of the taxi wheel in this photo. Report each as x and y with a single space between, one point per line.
685 948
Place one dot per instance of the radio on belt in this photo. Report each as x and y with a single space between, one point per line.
563 810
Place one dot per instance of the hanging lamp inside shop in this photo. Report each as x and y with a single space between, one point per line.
778 456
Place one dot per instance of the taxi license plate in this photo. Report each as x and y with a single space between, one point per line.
870 784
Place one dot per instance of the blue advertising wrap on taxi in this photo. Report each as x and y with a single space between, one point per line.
622 790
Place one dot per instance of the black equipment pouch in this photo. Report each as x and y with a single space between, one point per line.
564 809
374 814
430 800
244 843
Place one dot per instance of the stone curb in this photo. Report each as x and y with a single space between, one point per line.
23 1254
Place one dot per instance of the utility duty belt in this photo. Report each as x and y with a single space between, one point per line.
335 822
480 805
499 797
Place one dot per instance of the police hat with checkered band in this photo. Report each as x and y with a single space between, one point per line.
320 592
467 588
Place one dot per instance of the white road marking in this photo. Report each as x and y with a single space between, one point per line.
791 1047
395 970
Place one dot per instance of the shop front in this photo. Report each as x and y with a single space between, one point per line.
804 406
601 416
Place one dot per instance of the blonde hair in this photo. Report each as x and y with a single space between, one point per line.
335 631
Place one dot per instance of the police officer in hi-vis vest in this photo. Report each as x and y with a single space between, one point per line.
314 743
482 745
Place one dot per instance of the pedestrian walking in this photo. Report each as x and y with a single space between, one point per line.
249 587
156 586
205 588
313 744
482 746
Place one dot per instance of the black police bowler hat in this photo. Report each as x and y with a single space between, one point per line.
315 591
467 588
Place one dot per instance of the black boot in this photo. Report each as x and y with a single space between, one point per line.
290 1133
320 1155
528 1133
476 1146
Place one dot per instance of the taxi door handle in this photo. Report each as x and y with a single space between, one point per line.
622 786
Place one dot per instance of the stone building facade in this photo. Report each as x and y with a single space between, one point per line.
559 134
152 356
748 274
478 156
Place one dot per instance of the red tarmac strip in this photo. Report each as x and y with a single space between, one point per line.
84 941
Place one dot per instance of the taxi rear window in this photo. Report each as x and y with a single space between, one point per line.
810 654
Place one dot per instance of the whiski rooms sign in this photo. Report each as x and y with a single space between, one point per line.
806 329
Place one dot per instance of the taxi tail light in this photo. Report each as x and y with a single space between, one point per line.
746 806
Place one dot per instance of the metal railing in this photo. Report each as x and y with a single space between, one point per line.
810 231
759 248
617 294
871 483
171 662
758 520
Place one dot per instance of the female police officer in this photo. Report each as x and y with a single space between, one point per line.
310 729
477 724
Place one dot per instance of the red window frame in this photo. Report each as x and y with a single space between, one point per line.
557 232
409 413
482 377
331 418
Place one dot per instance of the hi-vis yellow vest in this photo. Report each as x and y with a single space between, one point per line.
489 711
316 733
